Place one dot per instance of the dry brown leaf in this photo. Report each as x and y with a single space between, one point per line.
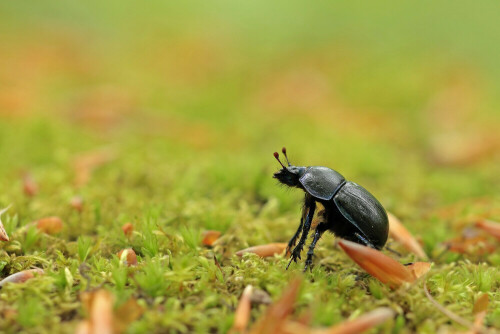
50 225
295 327
127 229
469 243
361 324
242 314
481 304
83 327
377 264
30 187
102 319
209 237
21 276
99 306
479 310
128 257
274 319
403 236
418 269
3 233
493 228
129 312
264 250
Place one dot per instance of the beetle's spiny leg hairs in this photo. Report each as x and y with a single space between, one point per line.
277 156
310 204
317 235
364 240
286 157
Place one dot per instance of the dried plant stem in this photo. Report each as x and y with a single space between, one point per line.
445 311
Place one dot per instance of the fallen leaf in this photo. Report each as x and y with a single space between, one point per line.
481 304
360 324
274 318
83 327
99 306
209 237
401 234
30 187
377 264
128 257
21 276
127 313
242 314
479 310
470 242
295 327
50 225
493 228
102 319
264 250
127 229
418 269
3 233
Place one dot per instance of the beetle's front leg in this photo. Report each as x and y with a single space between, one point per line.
310 206
292 241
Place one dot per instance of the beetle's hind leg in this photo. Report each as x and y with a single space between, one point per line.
320 229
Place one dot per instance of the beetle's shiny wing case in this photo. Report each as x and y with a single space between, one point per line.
321 182
363 210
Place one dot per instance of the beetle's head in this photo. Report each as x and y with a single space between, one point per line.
288 175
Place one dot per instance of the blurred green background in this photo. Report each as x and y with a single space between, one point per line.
190 99
377 91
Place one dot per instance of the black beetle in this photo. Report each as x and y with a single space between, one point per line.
351 212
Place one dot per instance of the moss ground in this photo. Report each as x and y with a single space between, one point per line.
180 108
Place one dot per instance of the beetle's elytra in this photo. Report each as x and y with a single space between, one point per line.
351 212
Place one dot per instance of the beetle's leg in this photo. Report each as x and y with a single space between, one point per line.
393 251
310 204
292 241
364 240
319 232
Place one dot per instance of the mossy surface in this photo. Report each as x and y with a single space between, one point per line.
184 104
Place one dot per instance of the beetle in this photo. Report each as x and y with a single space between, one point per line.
350 211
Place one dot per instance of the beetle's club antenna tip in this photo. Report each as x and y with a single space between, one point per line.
286 157
277 156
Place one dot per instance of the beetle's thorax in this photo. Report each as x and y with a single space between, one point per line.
290 175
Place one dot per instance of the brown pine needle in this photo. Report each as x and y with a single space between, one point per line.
361 324
264 250
377 264
242 314
399 232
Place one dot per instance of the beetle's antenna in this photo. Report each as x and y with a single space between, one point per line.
277 156
284 153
